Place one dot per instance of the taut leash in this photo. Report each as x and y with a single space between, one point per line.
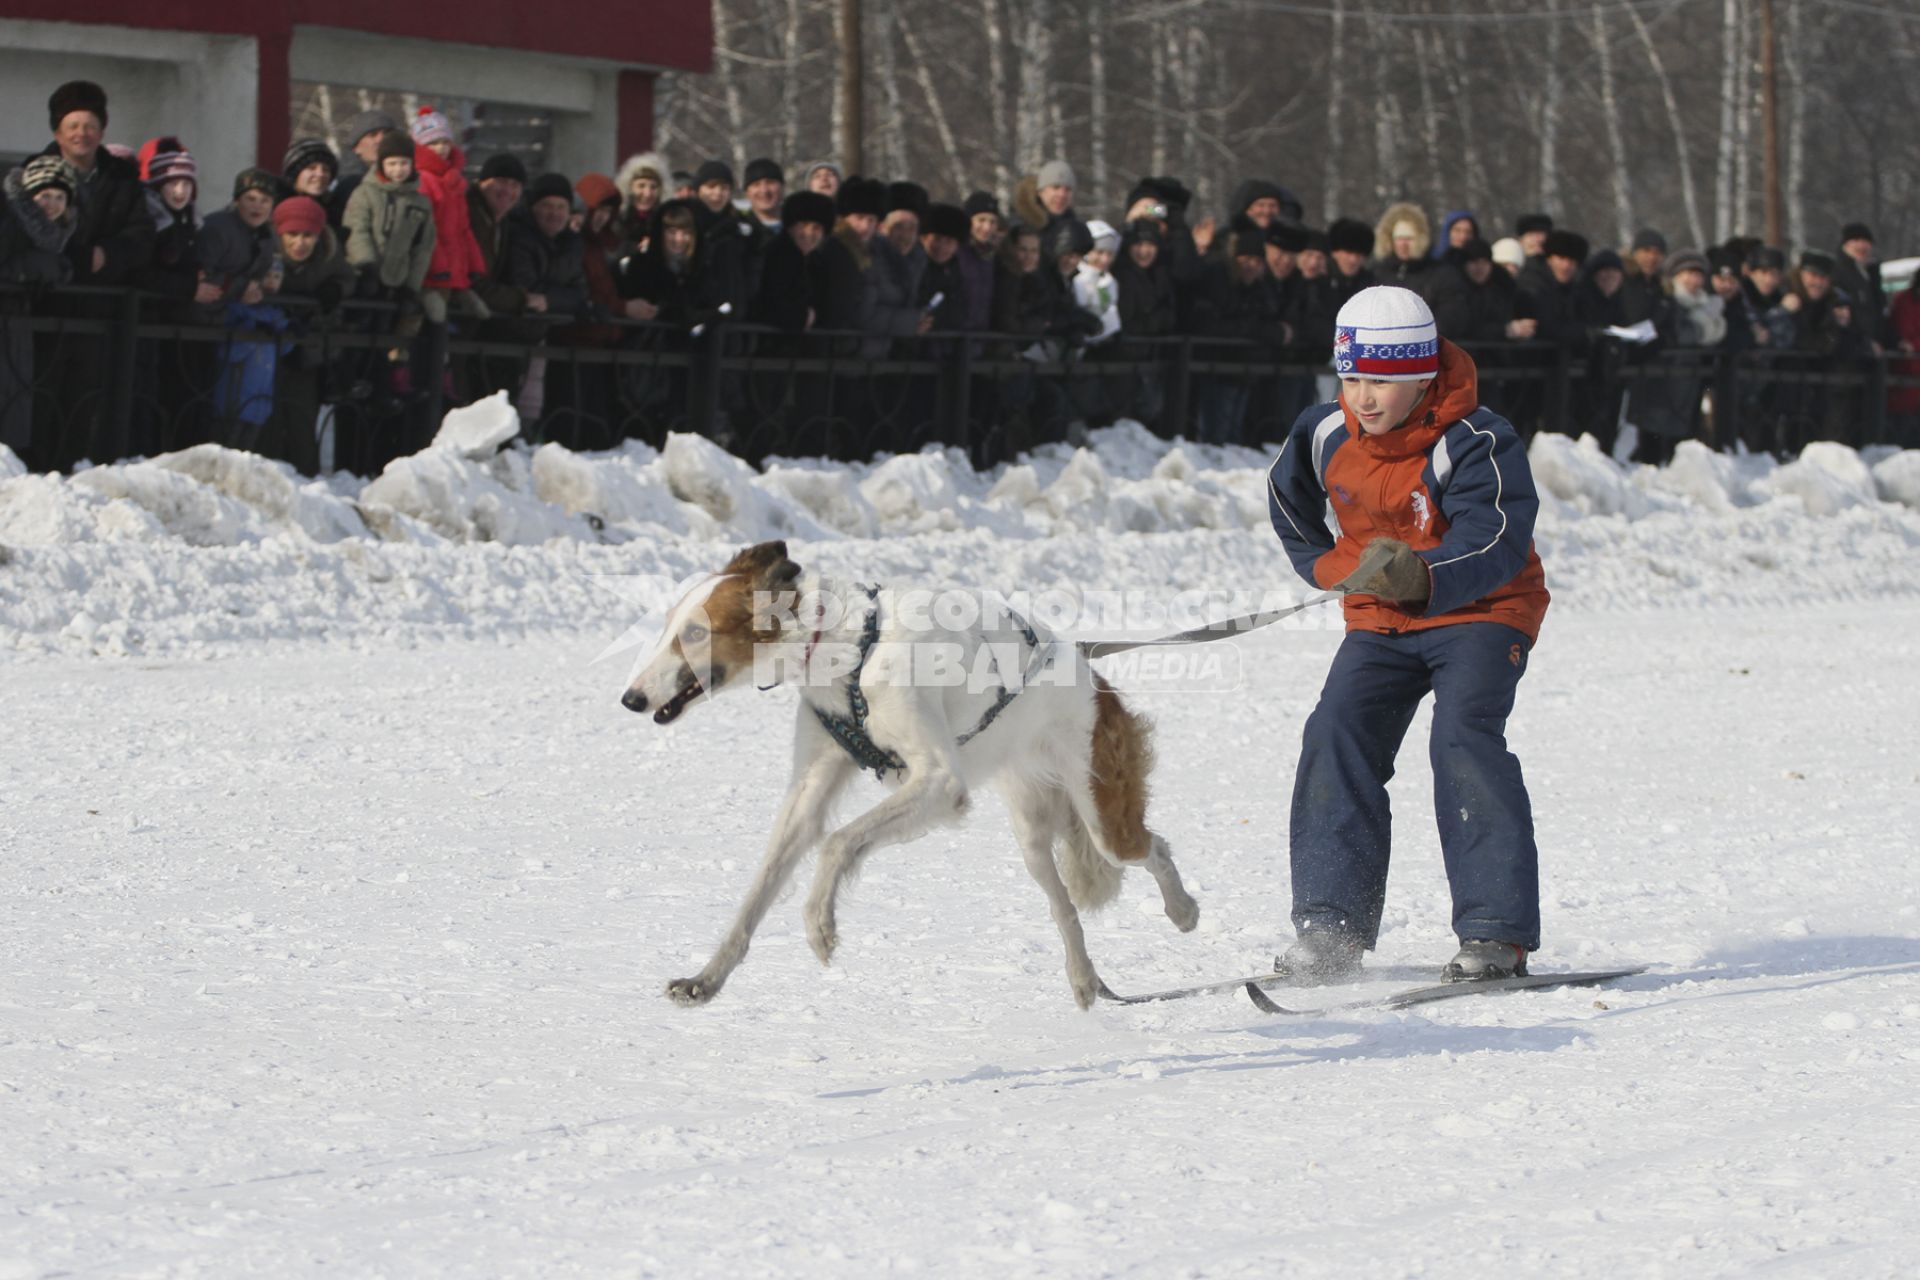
1219 630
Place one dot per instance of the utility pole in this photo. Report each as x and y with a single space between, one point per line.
852 126
1770 122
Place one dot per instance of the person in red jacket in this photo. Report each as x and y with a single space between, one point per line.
457 261
1435 505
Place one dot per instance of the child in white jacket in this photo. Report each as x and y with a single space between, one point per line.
1094 287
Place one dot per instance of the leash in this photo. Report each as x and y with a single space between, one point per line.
1211 631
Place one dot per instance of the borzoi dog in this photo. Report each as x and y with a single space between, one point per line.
1048 734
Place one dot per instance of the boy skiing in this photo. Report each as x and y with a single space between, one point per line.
1435 505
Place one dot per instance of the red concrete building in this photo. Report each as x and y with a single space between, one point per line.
220 72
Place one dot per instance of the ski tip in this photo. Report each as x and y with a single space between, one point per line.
1264 1002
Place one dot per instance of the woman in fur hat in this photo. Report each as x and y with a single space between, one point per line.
642 184
1401 240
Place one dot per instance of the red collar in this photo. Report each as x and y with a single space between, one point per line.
819 619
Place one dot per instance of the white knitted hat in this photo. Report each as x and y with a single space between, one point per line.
1386 333
1104 236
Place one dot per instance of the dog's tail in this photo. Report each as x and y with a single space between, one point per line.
1122 758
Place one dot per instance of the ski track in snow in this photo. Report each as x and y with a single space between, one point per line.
341 895
344 965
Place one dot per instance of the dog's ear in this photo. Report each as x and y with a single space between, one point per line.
751 562
766 566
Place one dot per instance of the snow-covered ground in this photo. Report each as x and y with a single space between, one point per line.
340 895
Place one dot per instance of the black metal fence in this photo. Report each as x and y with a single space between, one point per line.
107 374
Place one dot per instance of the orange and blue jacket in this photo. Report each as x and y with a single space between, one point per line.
1452 483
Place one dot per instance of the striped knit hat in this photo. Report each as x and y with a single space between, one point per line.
430 127
42 172
164 159
1386 333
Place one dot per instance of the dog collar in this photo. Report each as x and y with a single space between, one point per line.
819 624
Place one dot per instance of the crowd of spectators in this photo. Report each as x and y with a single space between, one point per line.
658 254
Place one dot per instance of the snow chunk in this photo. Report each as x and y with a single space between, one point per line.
700 472
1897 477
478 430
914 491
272 489
197 514
1079 494
621 488
10 464
1829 478
470 501
833 498
1579 474
1707 479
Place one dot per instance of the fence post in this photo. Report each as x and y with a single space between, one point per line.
1726 401
953 410
1560 392
122 352
436 380
1180 389
1876 423
703 380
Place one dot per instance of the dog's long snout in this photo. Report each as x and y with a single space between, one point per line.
634 700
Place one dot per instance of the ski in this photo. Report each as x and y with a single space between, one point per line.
1254 983
1448 990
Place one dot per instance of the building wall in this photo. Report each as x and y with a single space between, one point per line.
202 87
583 97
209 88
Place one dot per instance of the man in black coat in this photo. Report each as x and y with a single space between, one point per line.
1856 271
1349 244
1550 283
1237 298
113 232
943 282
1473 302
1643 294
112 238
546 260
794 280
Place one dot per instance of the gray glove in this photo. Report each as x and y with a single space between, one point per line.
1389 569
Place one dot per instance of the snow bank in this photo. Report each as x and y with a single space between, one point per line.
481 535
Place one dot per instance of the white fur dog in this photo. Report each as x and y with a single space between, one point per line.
1045 731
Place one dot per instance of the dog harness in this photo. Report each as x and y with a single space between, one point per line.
850 730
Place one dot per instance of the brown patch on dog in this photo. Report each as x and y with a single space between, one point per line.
1122 762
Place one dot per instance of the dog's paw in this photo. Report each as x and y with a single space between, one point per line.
1084 992
692 991
823 938
1185 915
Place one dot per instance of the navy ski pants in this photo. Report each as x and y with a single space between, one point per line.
1342 823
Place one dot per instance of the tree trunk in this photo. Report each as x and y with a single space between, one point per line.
1001 102
1157 44
1743 132
1616 140
893 135
1796 61
1336 116
1437 185
924 78
1695 227
1550 117
1033 110
1103 197
790 84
